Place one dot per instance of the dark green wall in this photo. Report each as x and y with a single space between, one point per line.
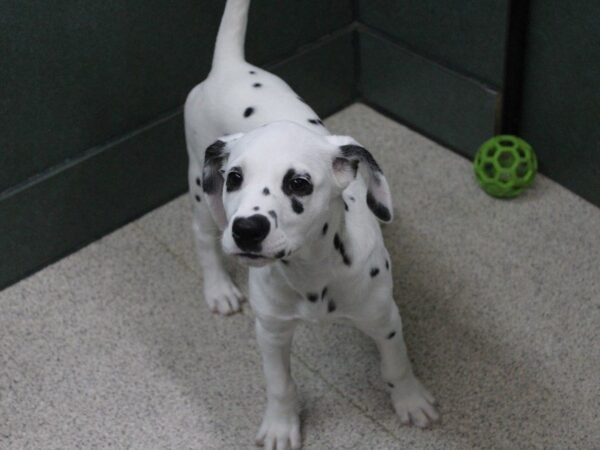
466 36
438 102
90 96
561 92
436 65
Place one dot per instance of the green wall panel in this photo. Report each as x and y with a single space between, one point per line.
108 186
465 35
453 109
74 75
561 93
277 28
325 79
81 202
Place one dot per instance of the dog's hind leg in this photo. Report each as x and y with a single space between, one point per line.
411 400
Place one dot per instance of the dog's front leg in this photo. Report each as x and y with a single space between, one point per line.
280 427
412 401
220 293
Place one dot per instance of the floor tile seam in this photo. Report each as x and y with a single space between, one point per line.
178 257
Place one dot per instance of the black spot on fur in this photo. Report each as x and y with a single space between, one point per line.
356 151
256 208
252 72
248 112
280 254
345 257
273 214
312 297
212 160
323 292
331 306
325 228
314 121
391 335
380 210
214 150
387 264
288 187
198 182
339 246
198 199
391 385
256 85
297 206
374 272
266 191
346 206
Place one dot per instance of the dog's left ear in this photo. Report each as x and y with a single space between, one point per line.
349 158
215 157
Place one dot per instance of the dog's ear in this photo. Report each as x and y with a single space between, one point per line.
215 157
348 158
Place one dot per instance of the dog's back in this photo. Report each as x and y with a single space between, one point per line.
237 96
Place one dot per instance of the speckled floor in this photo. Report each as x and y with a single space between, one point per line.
113 347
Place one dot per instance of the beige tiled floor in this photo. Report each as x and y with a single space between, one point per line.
114 347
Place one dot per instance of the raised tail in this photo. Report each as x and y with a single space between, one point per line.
232 33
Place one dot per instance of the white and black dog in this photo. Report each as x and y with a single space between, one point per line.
300 207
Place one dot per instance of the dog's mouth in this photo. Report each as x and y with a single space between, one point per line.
254 259
257 259
252 256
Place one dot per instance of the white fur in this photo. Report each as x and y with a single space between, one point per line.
275 138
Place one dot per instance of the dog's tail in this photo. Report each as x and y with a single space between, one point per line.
232 33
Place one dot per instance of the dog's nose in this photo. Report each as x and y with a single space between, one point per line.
249 232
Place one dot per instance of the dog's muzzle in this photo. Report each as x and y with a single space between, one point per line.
249 232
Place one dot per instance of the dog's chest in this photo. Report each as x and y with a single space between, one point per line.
324 295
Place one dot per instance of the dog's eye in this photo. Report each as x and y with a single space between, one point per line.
234 180
300 186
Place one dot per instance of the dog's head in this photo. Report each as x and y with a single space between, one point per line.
270 190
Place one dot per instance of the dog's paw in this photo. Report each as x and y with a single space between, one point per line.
413 403
222 295
279 432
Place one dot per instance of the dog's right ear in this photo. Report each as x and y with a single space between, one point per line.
349 156
215 157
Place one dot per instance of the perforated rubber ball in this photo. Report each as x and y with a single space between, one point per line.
505 165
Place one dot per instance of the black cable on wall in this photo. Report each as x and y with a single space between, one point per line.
514 65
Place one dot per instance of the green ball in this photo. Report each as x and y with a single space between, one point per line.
505 165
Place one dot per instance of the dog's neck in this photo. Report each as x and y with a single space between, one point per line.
319 251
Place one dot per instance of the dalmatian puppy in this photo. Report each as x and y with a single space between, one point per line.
274 189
